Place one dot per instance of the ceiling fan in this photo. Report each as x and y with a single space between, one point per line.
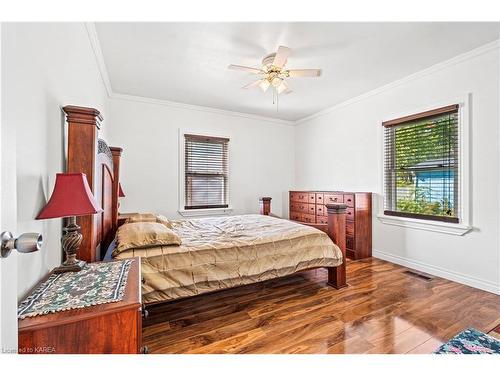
273 73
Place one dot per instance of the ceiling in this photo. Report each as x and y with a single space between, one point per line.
187 62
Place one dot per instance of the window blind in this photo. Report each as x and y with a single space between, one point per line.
206 172
421 165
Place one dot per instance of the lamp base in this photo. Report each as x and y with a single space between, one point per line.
73 267
71 241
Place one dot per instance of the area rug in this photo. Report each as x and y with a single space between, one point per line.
95 284
470 341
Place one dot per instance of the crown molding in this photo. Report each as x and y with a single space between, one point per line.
192 107
96 48
420 74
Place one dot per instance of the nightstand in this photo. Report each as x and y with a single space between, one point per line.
110 328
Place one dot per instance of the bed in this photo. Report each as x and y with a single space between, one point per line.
215 253
224 252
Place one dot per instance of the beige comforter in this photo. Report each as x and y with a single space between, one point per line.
223 252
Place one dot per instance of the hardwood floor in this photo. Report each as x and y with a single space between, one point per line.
384 310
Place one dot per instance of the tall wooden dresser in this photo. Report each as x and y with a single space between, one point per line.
309 207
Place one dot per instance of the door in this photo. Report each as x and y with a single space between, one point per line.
8 221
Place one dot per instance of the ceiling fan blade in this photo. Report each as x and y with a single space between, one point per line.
281 56
304 73
252 84
286 92
245 69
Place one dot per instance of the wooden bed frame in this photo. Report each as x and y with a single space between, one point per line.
101 164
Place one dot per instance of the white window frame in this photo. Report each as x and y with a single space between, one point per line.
182 178
464 225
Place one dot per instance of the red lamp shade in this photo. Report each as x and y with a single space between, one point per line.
71 197
121 194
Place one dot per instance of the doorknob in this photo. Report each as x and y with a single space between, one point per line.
25 243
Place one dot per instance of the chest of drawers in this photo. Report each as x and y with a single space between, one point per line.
309 207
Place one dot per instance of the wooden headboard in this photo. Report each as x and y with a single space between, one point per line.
89 154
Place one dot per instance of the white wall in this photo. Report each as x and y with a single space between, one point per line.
342 149
47 66
261 155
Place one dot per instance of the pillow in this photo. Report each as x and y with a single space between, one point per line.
147 217
144 234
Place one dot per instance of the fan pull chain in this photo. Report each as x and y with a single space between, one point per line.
277 100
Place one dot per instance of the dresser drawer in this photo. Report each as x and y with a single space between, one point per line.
321 210
349 200
311 209
311 198
299 207
350 213
334 198
349 228
320 198
302 207
294 215
322 219
299 197
306 218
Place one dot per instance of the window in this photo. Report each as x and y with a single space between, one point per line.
206 172
421 165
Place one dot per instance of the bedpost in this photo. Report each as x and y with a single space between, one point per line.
265 205
83 125
336 231
117 153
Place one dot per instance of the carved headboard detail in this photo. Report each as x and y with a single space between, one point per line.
92 156
104 194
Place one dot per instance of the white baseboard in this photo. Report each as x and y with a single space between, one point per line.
438 271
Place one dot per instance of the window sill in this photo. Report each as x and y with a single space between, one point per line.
433 226
205 212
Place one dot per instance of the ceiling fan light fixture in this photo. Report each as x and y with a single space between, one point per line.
276 81
282 87
274 73
264 85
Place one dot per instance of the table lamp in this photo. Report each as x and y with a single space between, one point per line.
71 197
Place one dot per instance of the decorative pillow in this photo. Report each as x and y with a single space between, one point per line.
144 234
148 217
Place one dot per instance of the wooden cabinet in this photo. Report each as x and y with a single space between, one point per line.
309 207
114 328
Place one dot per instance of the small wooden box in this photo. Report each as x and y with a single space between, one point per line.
110 328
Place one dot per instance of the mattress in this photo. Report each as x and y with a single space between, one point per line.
223 252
